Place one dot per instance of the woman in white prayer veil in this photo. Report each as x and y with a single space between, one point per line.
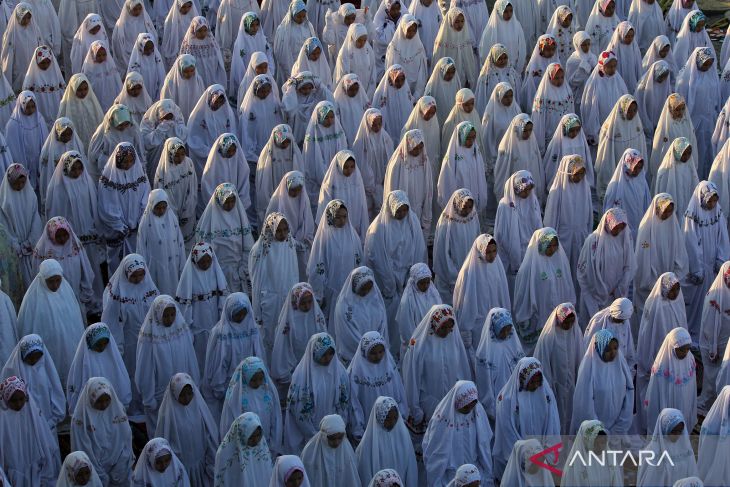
277 159
435 343
289 468
393 98
648 20
620 131
183 416
455 41
331 460
336 250
118 127
628 189
651 94
258 64
560 349
519 150
553 99
61 138
337 22
670 439
407 50
563 25
496 69
429 17
97 355
373 373
51 310
99 428
463 110
568 139
586 443
359 309
158 465
312 58
661 50
386 443
90 29
500 110
373 147
26 131
260 112
323 140
80 105
230 15
164 347
520 470
161 243
623 44
692 35
714 441
301 94
419 295
162 120
722 131
75 469
615 317
480 286
660 247
45 80
199 42
19 216
463 167
424 118
147 61
294 29
343 181
319 385
579 66
394 242
543 281
505 29
604 388
525 408
456 230
31 361
458 433
698 82
211 118
498 352
243 456
73 16
714 337
20 39
543 54
226 163
177 20
357 57
601 24
673 379
441 87
352 102
601 93
176 175
183 85
132 21
102 73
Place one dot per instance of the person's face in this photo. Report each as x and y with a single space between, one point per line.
565 23
83 475
573 132
201 33
610 9
505 332
466 210
257 380
609 68
416 151
229 204
632 110
353 90
458 24
360 41
340 219
186 7
300 17
508 98
445 328
44 64
218 102
95 30
306 302
179 156
54 283
25 20
629 37
376 354
295 479
263 92
315 54
254 28
401 212
677 112
412 31
148 48
468 106
616 231
507 14
667 212
468 408
711 203
65 136
426 3
325 359
365 289
682 352
294 191
547 51
394 12
707 65
585 46
527 132
33 357
29 108
262 68
136 276
128 159
423 284
578 175
186 395
664 51
349 19
168 316
255 437
329 119
673 292
162 462
558 79
282 231
676 433
17 400
160 209
686 154
137 10
391 419
102 402
334 441
188 72
100 56
534 383
204 262
284 143
76 169
122 127
82 90
552 247
399 81
662 77
490 253
568 322
239 315
348 168
525 193
450 73
700 25
100 345
61 236
636 170
429 114
469 142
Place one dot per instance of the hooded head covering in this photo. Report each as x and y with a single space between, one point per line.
284 467
184 92
458 45
72 464
515 154
83 38
238 463
713 440
145 471
330 465
652 93
678 449
126 30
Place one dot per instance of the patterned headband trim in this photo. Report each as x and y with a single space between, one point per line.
465 396
546 238
528 372
95 333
